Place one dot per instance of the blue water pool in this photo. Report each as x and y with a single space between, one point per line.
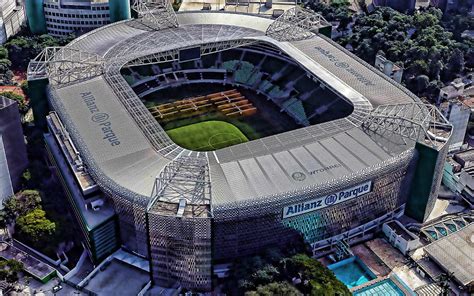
386 288
352 272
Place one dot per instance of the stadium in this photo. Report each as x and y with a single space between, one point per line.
217 135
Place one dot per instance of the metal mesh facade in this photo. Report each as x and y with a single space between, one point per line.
245 228
179 225
180 250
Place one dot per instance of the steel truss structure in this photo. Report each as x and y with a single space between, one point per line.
415 121
179 222
296 23
173 55
63 65
139 112
158 14
184 181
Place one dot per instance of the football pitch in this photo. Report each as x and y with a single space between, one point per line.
207 135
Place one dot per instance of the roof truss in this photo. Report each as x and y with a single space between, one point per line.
158 14
63 65
184 181
296 23
415 121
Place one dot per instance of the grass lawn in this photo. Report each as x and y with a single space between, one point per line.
207 135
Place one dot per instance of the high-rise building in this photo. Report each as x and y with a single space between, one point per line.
65 17
12 17
13 157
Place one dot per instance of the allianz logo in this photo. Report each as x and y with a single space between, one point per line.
101 119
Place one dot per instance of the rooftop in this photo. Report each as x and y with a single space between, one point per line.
465 158
400 230
118 278
5 102
454 254
72 155
31 265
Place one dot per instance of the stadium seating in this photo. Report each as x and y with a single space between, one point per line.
230 65
294 107
254 77
282 81
244 72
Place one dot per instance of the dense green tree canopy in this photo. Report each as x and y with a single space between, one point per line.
272 272
316 279
24 47
21 203
419 42
5 73
35 227
277 288
9 270
337 11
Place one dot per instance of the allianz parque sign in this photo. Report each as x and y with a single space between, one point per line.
328 200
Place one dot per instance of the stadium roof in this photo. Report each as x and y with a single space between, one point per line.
257 168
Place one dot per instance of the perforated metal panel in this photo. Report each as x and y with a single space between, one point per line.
244 228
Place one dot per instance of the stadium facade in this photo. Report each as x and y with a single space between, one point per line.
186 210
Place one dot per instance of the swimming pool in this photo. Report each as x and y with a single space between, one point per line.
386 288
352 272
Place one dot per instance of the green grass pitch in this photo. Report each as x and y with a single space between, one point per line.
207 135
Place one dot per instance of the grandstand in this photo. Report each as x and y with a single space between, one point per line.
230 103
259 68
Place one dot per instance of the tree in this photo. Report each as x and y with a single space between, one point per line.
422 82
35 227
427 19
9 270
24 86
278 288
316 279
456 62
419 42
265 275
3 53
337 11
443 281
3 219
366 51
22 203
22 49
435 69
